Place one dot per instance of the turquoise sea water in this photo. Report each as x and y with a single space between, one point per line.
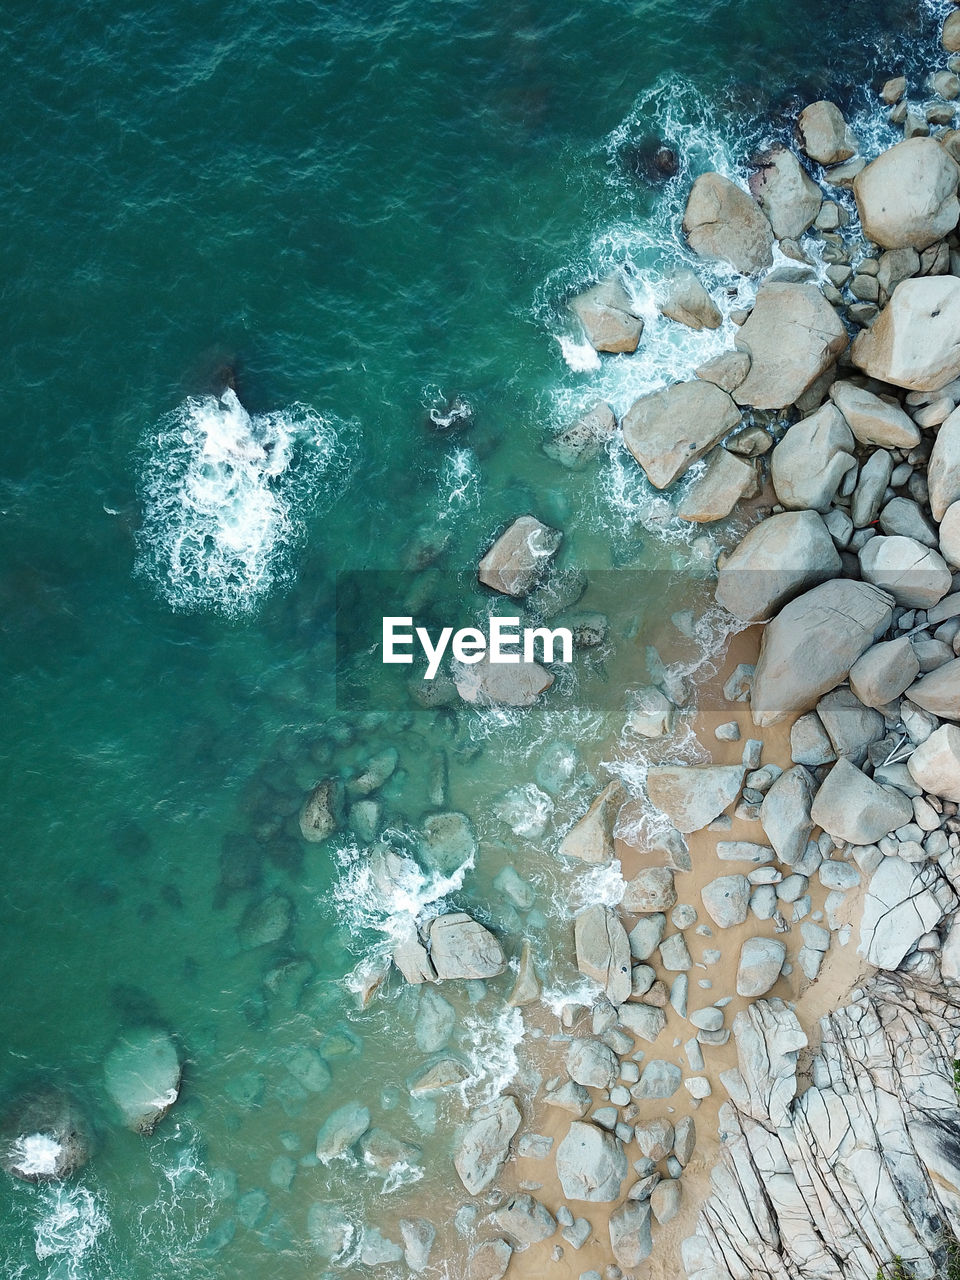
364 210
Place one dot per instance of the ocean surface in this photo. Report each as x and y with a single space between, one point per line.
367 218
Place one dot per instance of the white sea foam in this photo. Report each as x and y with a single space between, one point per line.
225 494
494 1048
458 485
71 1222
36 1155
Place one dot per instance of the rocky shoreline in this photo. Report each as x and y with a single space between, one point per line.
837 411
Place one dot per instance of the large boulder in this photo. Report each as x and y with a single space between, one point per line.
935 764
341 1129
903 901
809 648
44 1136
591 1163
519 556
916 576
725 481
727 899
824 134
485 1143
761 960
813 456
460 947
912 343
785 813
517 684
687 301
939 691
609 316
723 223
769 1039
943 469
850 806
591 838
630 1237
525 1220
142 1074
786 193
693 795
603 951
884 672
668 430
322 811
489 1259
776 560
592 1063
584 439
877 420
907 197
792 336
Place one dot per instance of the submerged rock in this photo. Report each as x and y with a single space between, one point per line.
509 684
518 558
322 812
44 1136
142 1075
584 439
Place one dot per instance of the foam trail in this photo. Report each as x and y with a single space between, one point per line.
225 494
69 1230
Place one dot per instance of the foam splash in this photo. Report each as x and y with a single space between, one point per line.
225 494
459 484
495 1044
68 1231
36 1155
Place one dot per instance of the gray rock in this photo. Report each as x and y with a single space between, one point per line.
883 673
142 1075
674 955
693 795
652 889
591 1164
418 1236
659 1079
809 742
265 921
603 951
591 838
630 1236
524 1219
761 960
935 764
907 197
577 1234
903 516
728 370
489 1260
903 902
460 947
916 576
808 465
726 480
592 1063
668 430
792 336
665 1200
517 560
744 851
852 807
685 1139
608 316
569 1097
643 1020
786 193
645 936
341 1129
872 484
687 301
485 1143
873 419
910 344
584 439
851 726
44 1136
939 692
322 811
651 713
809 648
776 560
726 900
785 813
824 134
721 222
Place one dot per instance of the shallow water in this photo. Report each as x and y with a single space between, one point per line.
357 215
